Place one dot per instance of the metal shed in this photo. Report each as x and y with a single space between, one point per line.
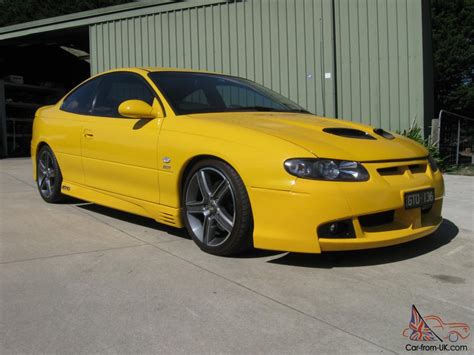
368 60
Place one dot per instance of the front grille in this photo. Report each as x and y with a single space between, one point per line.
377 219
390 171
417 168
426 209
400 169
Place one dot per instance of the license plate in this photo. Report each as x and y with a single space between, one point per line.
420 198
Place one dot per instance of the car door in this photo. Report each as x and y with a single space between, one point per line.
119 154
65 139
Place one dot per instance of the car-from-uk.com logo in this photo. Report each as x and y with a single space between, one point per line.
431 333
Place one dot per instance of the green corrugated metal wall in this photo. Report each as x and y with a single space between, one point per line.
356 59
379 62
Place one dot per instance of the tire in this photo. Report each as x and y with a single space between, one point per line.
48 176
216 208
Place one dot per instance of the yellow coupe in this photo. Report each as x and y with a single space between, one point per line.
235 163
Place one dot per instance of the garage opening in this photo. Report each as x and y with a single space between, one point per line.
37 70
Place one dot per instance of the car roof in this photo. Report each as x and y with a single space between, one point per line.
152 69
158 69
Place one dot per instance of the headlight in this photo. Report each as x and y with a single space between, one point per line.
327 169
433 165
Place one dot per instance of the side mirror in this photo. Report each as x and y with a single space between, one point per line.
140 109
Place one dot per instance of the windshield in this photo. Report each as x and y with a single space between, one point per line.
189 92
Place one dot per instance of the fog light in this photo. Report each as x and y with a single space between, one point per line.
333 228
339 229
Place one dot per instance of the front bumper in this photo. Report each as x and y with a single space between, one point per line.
288 220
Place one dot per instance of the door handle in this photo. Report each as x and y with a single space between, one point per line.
88 134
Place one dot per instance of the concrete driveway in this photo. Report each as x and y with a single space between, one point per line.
80 278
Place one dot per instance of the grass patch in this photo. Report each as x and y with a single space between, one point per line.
467 170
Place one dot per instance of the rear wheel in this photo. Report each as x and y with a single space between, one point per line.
49 178
216 208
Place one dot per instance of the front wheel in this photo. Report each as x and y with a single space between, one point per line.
216 208
49 178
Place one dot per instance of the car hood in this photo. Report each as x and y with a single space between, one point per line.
307 131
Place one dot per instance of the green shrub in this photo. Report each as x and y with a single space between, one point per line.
415 133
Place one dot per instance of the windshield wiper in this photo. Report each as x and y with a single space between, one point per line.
296 110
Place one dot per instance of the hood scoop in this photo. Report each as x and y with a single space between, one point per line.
348 133
384 133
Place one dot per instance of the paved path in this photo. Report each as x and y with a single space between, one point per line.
80 278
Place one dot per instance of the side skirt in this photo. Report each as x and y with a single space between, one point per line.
162 214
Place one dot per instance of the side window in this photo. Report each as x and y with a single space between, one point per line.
116 88
80 100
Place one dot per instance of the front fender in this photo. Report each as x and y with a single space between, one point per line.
257 158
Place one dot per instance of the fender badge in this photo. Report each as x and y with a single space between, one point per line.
166 160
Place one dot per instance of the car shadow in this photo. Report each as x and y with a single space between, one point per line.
141 123
257 253
130 218
444 235
446 232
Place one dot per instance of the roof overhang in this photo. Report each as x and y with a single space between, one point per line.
85 18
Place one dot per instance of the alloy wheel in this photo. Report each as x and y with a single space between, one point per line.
210 206
46 174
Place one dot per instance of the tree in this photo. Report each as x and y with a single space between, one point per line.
453 55
19 11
